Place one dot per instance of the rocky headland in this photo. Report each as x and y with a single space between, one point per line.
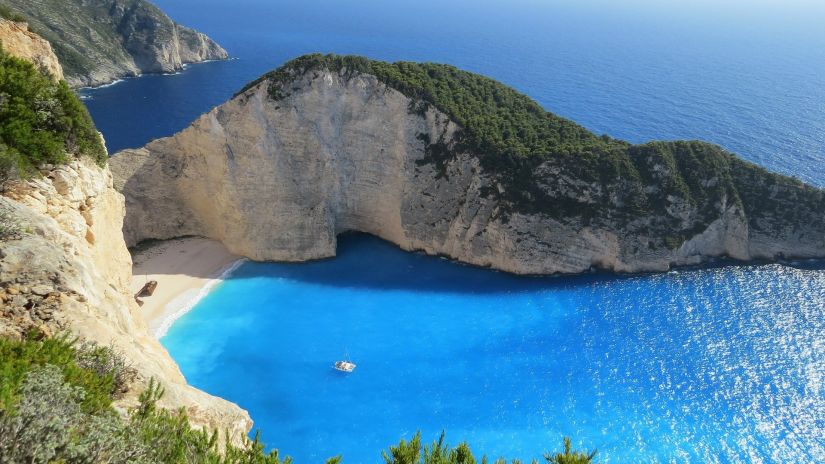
100 41
435 159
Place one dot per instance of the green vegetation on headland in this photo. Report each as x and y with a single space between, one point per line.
498 120
7 13
41 121
541 163
56 406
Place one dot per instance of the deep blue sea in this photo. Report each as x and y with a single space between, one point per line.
725 364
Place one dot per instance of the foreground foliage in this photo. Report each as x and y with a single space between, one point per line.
56 406
7 13
41 121
439 452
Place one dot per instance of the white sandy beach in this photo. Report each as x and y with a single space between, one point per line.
185 269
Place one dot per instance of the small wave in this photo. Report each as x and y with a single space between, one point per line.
222 275
103 86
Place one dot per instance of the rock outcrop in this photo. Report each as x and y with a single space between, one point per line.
68 268
99 41
277 172
20 42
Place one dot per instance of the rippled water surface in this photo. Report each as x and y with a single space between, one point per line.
723 364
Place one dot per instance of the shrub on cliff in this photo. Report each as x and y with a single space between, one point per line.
41 121
55 406
439 452
49 425
7 13
106 361
18 358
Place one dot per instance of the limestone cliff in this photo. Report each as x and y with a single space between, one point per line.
70 270
312 151
99 41
20 42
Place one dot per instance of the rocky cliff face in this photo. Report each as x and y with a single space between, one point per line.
99 41
20 42
279 178
69 269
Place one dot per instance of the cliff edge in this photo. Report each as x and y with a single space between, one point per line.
99 41
64 266
436 159
22 43
69 270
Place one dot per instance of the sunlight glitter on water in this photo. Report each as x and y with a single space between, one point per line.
716 365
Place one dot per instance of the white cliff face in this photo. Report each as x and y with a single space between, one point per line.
70 270
20 42
278 180
101 41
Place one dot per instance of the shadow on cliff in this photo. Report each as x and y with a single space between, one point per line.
365 261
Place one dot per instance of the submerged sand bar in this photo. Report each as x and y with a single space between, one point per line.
185 269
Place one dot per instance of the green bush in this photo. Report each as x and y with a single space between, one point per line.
8 13
49 425
19 358
169 438
106 361
41 121
55 406
439 452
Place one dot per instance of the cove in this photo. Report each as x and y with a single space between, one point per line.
722 364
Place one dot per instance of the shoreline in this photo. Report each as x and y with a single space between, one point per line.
188 304
186 270
118 80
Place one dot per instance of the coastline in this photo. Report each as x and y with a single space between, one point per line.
186 270
118 80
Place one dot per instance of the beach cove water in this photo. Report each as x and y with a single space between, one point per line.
724 364
714 365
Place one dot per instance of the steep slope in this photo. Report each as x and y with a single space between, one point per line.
98 41
70 270
436 159
63 262
22 43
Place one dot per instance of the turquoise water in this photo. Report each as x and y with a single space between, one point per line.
724 364
715 365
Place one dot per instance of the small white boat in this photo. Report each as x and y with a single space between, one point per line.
344 366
